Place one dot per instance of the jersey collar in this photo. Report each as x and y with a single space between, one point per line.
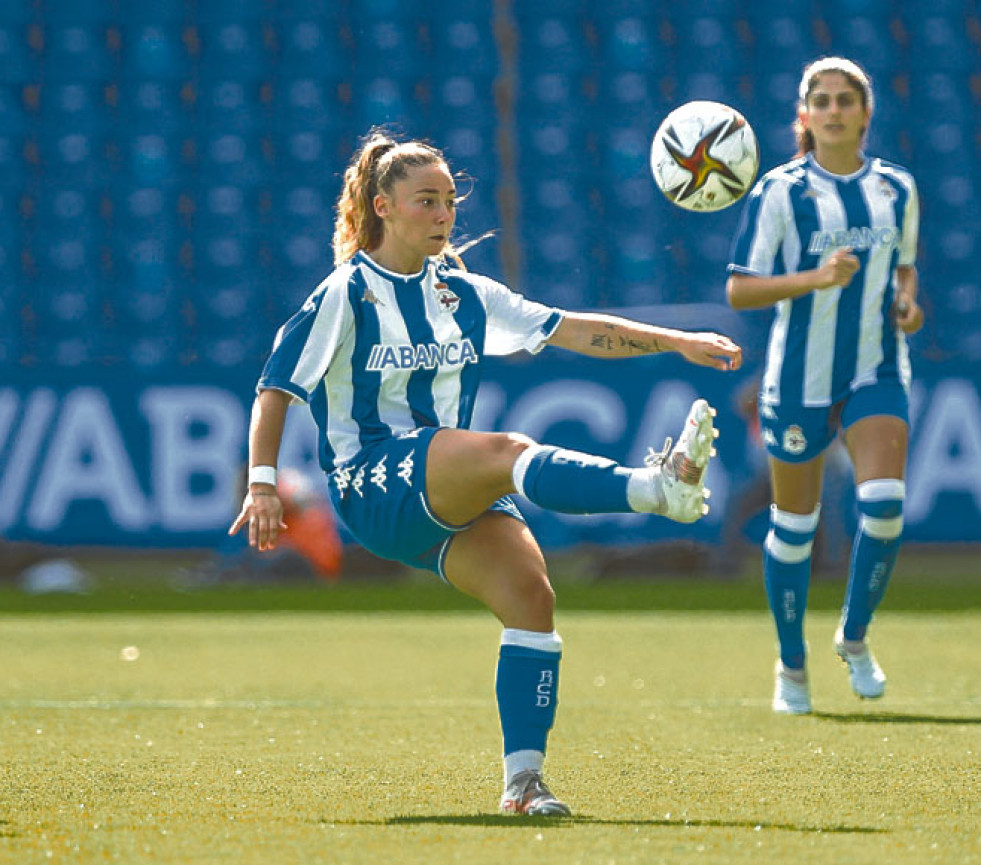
841 178
363 258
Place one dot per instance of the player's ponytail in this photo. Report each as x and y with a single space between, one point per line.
856 77
357 226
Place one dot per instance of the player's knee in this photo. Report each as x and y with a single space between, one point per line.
532 598
880 505
791 536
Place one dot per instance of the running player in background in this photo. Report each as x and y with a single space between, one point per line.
387 353
829 239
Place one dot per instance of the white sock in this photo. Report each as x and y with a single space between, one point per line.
521 761
644 493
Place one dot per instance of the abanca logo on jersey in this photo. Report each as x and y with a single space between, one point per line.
856 239
421 356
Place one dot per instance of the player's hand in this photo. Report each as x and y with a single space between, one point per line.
263 511
711 349
907 314
838 270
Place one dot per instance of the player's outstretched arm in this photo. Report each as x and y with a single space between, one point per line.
610 336
262 510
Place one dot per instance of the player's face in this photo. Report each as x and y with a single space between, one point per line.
835 114
418 214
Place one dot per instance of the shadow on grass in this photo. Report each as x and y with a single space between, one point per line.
891 718
508 821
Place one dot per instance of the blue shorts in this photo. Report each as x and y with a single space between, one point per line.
380 494
796 434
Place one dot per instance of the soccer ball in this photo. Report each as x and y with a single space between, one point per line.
704 156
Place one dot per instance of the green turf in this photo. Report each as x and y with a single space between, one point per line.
363 738
925 581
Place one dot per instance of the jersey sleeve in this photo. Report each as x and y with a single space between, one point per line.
514 322
761 229
911 228
306 344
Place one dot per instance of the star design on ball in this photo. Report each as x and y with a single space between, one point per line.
700 163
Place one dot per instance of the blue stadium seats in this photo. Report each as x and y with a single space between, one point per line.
386 100
18 61
710 45
551 44
869 42
391 48
231 105
235 158
939 43
77 105
464 44
77 52
168 170
466 100
155 51
234 49
312 48
634 43
162 107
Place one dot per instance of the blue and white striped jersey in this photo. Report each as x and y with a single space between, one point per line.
377 353
827 343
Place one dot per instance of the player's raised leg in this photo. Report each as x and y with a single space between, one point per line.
467 471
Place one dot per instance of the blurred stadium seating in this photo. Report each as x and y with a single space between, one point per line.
168 169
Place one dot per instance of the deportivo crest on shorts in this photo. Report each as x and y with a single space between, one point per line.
794 441
448 301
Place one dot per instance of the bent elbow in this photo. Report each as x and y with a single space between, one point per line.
733 294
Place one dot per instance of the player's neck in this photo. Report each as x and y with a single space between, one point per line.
839 160
397 261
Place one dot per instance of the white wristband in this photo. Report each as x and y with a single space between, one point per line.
262 475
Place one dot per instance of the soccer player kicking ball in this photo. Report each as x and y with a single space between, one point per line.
387 353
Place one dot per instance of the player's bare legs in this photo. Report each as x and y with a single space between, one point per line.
466 472
878 447
498 562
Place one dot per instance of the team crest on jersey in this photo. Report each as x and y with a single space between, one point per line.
370 297
794 441
886 190
448 301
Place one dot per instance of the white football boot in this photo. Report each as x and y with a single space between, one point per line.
527 794
678 473
790 697
867 678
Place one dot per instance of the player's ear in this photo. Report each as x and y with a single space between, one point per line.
382 205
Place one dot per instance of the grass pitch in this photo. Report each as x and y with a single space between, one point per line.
372 737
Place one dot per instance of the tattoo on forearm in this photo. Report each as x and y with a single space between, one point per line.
612 339
601 340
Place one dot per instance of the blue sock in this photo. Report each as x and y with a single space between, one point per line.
880 507
571 482
527 688
787 574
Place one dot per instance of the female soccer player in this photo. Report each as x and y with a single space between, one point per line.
387 353
830 239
